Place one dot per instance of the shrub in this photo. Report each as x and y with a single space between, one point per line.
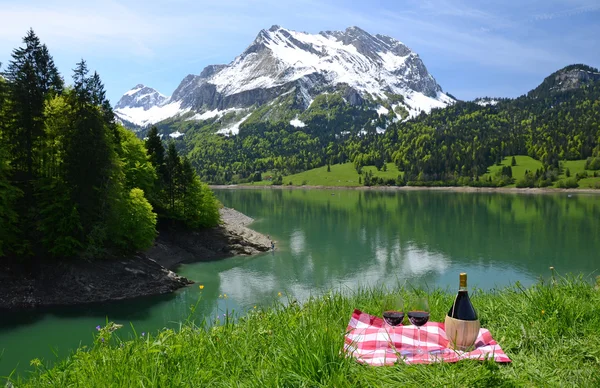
592 163
135 226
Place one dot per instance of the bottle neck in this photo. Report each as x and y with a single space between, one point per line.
462 284
462 289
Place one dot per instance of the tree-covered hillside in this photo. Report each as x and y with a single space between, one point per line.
559 120
73 182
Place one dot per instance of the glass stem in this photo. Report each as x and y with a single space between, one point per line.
419 340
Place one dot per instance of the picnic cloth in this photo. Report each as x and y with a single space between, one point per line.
371 341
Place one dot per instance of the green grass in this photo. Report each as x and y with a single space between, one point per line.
524 163
345 174
550 331
578 167
340 175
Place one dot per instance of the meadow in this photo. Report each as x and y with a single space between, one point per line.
550 331
345 175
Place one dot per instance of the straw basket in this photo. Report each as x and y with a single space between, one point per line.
461 334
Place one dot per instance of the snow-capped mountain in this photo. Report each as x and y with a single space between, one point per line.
143 105
281 61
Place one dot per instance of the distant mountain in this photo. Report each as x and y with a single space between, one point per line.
568 78
557 121
366 69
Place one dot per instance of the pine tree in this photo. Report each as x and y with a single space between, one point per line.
90 157
32 77
186 180
172 170
155 150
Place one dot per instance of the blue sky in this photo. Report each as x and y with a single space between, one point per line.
472 48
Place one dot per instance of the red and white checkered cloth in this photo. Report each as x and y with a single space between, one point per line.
371 341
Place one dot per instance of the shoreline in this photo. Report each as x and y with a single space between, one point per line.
458 189
47 283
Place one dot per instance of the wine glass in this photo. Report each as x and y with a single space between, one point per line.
393 309
418 315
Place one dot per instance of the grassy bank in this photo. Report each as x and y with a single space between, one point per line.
550 331
345 175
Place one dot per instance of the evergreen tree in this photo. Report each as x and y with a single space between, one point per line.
89 158
172 173
32 77
155 150
186 180
9 225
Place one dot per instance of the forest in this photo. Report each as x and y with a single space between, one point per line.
451 146
74 183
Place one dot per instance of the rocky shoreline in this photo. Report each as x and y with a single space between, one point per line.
145 273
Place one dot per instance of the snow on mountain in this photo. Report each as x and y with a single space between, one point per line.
235 128
143 105
486 101
382 110
296 122
282 61
142 116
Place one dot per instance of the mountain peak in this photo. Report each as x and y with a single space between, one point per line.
281 61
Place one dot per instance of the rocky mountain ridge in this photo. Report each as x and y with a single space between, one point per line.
281 62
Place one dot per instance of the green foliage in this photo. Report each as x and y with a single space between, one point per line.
179 192
548 330
155 149
592 163
278 180
138 168
90 157
455 144
32 78
59 224
201 207
9 219
73 182
570 183
134 225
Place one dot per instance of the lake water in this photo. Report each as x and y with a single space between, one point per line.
340 240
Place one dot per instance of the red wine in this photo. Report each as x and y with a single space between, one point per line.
393 318
418 318
462 307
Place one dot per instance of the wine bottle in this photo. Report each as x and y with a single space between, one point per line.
462 308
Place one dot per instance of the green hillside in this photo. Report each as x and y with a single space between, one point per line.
461 144
339 175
